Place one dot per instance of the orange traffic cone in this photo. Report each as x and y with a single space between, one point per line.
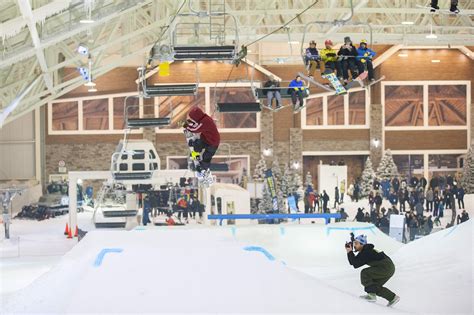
66 231
77 232
69 233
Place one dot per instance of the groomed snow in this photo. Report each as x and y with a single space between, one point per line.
206 270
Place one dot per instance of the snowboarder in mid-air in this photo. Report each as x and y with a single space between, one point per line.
380 271
199 122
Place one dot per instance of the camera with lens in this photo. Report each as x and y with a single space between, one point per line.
350 244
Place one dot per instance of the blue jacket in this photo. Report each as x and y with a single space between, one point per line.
366 53
295 84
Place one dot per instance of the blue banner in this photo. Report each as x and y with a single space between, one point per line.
292 204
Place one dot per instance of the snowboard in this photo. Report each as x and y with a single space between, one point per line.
376 81
206 181
340 89
314 82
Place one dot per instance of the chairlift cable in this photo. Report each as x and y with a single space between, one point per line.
284 25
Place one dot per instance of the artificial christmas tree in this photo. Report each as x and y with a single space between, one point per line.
367 179
285 182
266 204
467 180
260 168
308 181
387 168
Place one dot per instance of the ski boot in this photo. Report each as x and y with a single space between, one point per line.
394 301
454 9
369 297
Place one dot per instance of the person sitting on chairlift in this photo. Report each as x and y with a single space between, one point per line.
272 91
312 58
297 91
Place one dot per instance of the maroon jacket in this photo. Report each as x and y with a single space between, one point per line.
205 126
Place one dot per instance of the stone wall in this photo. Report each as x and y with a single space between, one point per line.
376 133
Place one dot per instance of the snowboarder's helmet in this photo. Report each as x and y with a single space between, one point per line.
362 239
363 41
312 42
347 39
328 42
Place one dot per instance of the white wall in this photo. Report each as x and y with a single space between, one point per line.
17 148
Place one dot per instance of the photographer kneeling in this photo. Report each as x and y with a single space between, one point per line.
380 271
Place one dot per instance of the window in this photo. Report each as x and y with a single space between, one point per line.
427 104
95 114
65 116
336 110
314 111
445 164
233 95
404 105
357 108
177 107
138 166
123 166
409 165
447 105
138 155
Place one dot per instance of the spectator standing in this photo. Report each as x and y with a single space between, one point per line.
371 201
460 196
429 199
342 190
325 200
378 202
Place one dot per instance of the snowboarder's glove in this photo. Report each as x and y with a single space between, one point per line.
195 155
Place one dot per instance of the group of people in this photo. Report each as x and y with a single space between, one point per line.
296 89
175 199
348 58
423 203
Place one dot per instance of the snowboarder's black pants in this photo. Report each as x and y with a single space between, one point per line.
349 64
208 153
374 277
434 3
461 201
297 95
429 205
370 68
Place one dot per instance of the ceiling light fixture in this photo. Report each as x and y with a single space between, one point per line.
408 23
92 89
435 61
293 42
86 21
403 55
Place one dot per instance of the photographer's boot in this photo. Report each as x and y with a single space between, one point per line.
369 297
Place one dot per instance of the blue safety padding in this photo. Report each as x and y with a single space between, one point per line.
352 229
326 216
100 256
260 249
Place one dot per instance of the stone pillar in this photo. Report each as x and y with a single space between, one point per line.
296 147
266 127
149 133
376 133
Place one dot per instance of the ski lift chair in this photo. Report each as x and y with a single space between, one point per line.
166 89
217 51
